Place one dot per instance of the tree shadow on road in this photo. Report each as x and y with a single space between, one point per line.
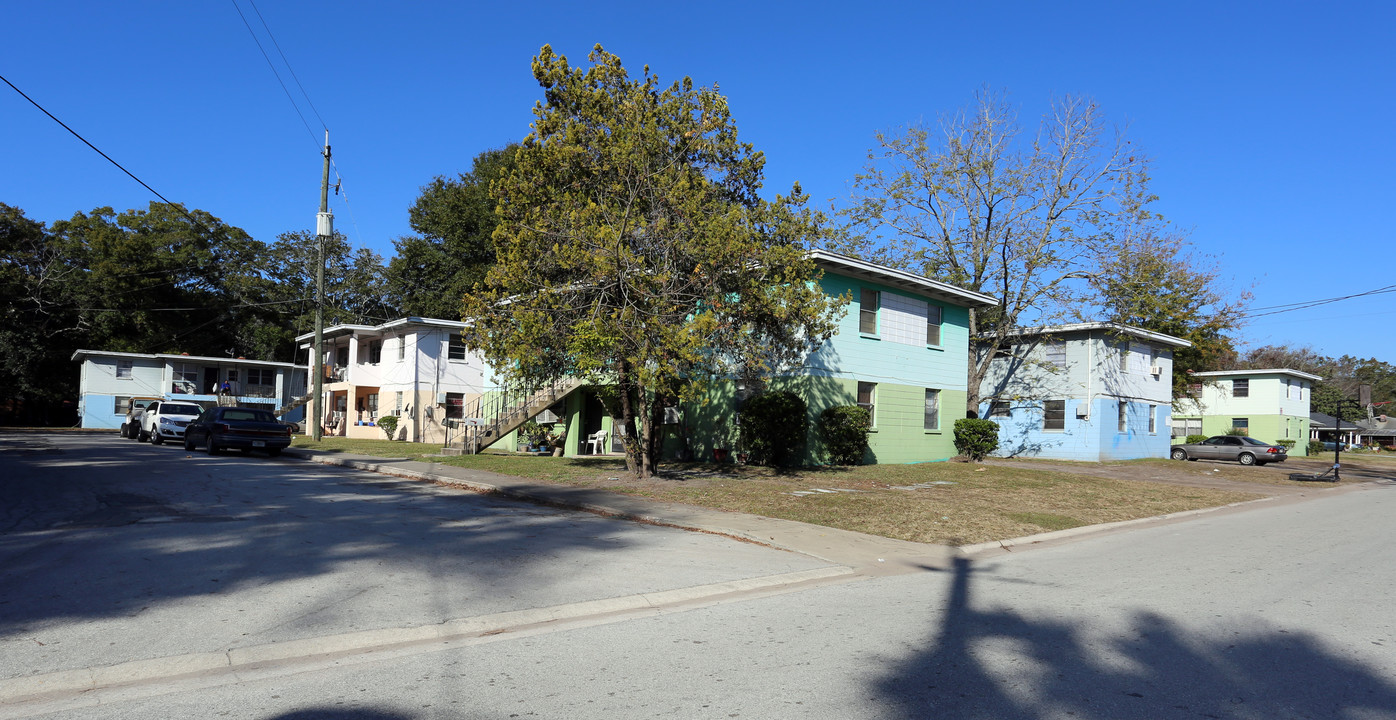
1002 665
407 552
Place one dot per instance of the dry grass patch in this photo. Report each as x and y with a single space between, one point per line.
953 503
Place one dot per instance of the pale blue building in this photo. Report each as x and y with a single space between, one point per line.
1085 391
110 382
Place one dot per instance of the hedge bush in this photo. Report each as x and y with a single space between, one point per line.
1287 444
844 431
773 428
389 425
976 438
1316 447
1194 439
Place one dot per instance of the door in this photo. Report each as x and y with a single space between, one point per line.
592 413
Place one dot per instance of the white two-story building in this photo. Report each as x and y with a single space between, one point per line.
415 369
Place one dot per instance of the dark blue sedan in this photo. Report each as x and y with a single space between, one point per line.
237 427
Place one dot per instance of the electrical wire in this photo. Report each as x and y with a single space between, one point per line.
75 134
289 69
281 82
1291 307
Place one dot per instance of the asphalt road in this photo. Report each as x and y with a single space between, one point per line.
1278 611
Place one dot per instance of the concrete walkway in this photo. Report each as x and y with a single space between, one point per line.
864 554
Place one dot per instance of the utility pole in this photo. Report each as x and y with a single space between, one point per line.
324 228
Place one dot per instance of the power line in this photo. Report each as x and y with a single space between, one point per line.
108 157
272 65
289 69
1304 305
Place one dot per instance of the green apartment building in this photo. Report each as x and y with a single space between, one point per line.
1269 405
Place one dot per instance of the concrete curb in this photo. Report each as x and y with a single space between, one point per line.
37 687
1092 529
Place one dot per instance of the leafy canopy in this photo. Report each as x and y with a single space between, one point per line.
633 247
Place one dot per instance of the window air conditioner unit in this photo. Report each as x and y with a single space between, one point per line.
1156 370
441 398
1083 410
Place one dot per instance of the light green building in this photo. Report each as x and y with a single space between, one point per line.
1269 405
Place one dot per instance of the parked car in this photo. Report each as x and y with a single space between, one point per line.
1242 449
131 426
165 420
237 427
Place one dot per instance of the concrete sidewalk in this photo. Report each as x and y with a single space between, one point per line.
865 554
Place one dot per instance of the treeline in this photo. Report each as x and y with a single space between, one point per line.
1339 390
167 279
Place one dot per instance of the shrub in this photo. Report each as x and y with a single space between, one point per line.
1316 447
844 431
773 428
1287 444
389 425
976 438
1236 431
1194 439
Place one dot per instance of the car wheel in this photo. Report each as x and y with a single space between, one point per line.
156 439
188 443
1180 454
1246 459
134 432
211 448
122 432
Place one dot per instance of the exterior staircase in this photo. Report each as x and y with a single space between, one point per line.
503 412
294 404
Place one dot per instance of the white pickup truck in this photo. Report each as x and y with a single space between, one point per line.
165 420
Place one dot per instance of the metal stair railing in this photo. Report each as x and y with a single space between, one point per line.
295 404
504 411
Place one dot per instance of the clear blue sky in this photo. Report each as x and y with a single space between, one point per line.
1271 124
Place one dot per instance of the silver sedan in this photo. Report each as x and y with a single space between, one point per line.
1242 449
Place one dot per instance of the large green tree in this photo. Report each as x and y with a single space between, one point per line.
633 248
454 219
1149 276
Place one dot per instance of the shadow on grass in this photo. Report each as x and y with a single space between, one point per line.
999 664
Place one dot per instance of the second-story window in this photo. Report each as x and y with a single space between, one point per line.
933 325
402 348
869 302
124 368
375 352
1056 354
456 349
1240 388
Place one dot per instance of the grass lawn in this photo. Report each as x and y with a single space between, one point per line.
948 503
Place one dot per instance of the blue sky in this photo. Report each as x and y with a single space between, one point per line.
1270 124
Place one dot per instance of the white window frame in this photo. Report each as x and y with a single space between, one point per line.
1048 411
455 346
866 315
1153 419
871 403
1000 408
125 369
1241 388
1055 353
1122 417
935 317
931 418
1241 423
122 404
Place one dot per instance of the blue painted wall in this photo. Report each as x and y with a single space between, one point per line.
1085 439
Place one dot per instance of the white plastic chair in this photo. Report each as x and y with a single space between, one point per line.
596 442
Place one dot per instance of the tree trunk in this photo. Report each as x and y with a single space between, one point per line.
627 412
